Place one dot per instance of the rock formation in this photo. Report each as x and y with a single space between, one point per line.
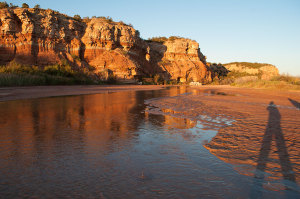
43 37
180 59
264 71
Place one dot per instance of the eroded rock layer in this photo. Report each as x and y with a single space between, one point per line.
180 59
42 37
264 71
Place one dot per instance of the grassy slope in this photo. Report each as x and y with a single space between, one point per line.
282 82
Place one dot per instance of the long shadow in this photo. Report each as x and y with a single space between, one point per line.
273 131
295 103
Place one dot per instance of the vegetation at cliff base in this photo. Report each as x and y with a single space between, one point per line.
282 82
15 74
222 76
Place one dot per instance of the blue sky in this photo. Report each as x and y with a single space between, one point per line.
266 31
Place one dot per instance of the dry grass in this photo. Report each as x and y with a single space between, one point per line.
282 82
15 74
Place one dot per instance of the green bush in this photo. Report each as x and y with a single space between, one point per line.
156 79
147 81
287 78
37 6
107 19
75 57
173 38
249 64
112 79
8 79
77 17
25 5
282 82
14 67
157 39
15 74
3 5
59 70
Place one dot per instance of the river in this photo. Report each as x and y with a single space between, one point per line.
113 145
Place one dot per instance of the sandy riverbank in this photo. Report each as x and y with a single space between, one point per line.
264 138
16 93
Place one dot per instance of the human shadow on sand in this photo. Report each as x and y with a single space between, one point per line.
295 103
273 132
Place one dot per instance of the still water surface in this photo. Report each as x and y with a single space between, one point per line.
108 146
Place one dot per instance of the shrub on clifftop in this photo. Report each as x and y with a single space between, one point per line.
158 39
37 6
77 17
25 5
3 5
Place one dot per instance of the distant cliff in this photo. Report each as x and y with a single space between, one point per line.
264 71
240 72
43 37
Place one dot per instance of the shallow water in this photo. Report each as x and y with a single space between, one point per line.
114 145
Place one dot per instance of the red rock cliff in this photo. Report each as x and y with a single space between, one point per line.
180 59
42 37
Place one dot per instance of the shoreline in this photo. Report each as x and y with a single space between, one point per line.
258 116
264 135
31 92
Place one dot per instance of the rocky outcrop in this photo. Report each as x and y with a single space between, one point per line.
180 59
264 71
43 37
109 46
36 37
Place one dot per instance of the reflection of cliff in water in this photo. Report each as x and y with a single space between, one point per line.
88 121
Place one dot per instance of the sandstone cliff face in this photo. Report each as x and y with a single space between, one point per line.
42 37
107 46
266 71
32 36
180 59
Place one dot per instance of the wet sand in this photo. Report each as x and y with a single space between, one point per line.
264 139
16 93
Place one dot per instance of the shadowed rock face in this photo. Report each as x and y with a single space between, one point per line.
42 37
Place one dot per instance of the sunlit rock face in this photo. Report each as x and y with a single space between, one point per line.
38 37
44 37
108 46
265 71
181 59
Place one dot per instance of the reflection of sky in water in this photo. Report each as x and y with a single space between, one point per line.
108 145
